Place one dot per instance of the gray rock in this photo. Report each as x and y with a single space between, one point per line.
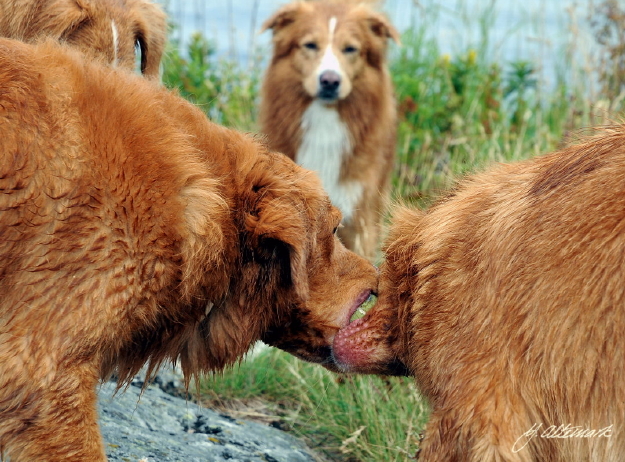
153 426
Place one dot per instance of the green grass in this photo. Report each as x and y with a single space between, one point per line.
461 113
457 114
350 418
226 92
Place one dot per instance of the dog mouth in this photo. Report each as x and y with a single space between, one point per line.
365 301
311 348
351 347
365 344
328 97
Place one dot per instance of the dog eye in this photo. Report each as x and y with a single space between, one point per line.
140 54
350 49
311 45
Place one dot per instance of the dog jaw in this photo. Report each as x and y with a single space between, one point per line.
367 345
313 324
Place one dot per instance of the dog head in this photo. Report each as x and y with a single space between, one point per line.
125 33
291 237
329 45
294 284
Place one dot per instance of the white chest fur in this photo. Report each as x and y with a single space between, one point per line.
325 143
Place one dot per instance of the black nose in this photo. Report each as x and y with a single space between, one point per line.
329 82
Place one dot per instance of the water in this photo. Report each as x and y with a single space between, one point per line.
539 31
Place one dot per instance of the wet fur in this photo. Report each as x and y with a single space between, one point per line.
86 25
134 231
506 302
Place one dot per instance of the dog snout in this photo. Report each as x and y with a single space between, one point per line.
329 82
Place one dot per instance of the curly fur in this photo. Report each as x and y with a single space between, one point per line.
140 25
134 231
506 302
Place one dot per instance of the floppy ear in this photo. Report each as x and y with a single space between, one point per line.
283 17
382 27
277 234
62 18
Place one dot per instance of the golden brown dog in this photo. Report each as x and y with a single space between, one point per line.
111 30
506 302
133 230
327 102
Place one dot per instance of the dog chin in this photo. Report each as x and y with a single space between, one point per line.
327 99
363 347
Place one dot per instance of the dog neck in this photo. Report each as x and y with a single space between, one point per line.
326 143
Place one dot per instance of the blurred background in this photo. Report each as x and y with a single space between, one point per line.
477 81
532 29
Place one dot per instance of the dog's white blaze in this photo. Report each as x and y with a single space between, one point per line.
325 142
115 41
332 27
329 60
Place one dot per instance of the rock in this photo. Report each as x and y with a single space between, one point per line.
153 426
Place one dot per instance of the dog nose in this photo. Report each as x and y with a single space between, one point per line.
329 81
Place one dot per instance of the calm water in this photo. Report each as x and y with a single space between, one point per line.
541 31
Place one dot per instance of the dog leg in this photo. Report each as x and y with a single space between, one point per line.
440 441
449 438
56 423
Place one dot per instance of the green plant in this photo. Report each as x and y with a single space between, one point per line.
349 418
520 80
459 113
226 92
608 23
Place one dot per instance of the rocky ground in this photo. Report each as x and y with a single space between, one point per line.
157 426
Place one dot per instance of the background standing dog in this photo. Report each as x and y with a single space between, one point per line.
506 302
327 102
114 31
134 230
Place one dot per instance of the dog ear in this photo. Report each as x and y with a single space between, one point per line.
62 18
382 27
283 17
277 232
